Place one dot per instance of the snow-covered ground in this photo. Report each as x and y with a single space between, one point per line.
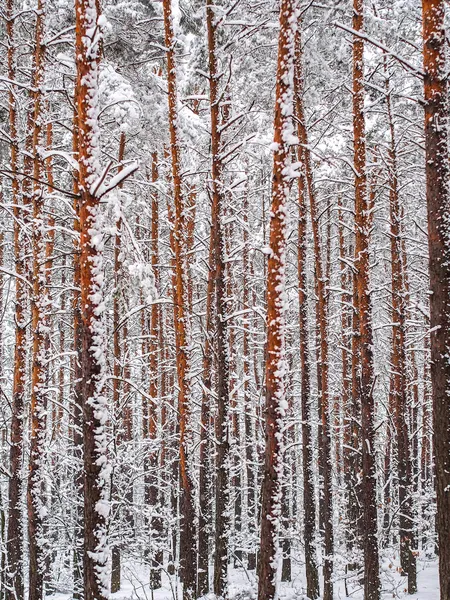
135 586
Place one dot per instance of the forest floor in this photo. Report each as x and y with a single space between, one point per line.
243 585
135 584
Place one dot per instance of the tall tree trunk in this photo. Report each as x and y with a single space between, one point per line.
276 361
182 334
153 498
77 419
398 387
250 454
221 332
320 276
365 379
92 334
118 401
35 493
436 154
309 506
14 542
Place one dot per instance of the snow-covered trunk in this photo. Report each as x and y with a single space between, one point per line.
309 506
182 323
398 389
205 462
36 503
151 417
117 392
77 419
14 542
437 184
322 318
365 381
92 330
235 460
275 408
249 429
346 321
221 331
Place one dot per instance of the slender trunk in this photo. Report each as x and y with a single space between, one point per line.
250 454
322 318
346 321
221 332
36 504
153 488
398 387
77 423
309 506
437 167
14 542
276 361
118 402
182 333
92 334
365 380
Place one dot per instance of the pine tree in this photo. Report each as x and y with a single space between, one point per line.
276 366
436 160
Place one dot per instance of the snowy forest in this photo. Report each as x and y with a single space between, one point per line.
224 300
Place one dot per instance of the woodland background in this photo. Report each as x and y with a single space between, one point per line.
137 196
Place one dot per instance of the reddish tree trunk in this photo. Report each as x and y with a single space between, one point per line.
221 329
180 294
309 506
365 380
322 326
14 541
398 385
437 168
92 342
275 359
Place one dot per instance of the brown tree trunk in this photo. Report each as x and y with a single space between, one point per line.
398 386
250 454
309 506
77 420
437 167
187 510
35 493
14 541
92 335
324 412
365 380
118 371
152 489
221 330
276 361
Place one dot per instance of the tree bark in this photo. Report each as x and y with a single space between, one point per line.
398 386
92 334
365 380
153 498
36 505
221 330
309 505
182 335
322 317
14 542
436 161
276 366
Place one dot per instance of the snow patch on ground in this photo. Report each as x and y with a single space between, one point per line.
135 585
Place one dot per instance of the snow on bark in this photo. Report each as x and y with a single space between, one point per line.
437 192
93 338
276 365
